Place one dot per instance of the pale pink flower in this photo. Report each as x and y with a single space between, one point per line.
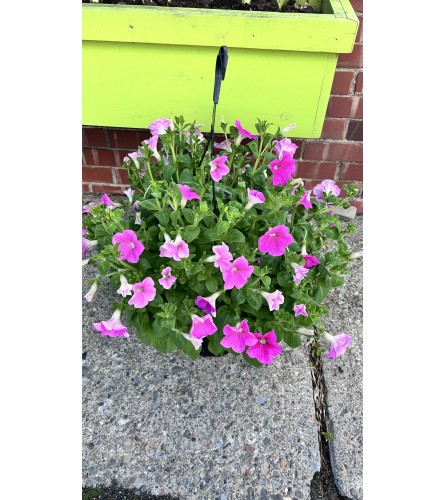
125 288
202 327
175 250
129 192
87 244
219 168
225 145
221 257
152 143
167 279
86 208
282 169
325 187
196 342
254 197
275 241
197 133
300 272
243 133
106 200
339 344
135 157
137 218
89 296
265 349
237 273
274 299
208 304
299 310
113 327
284 145
161 126
187 194
238 337
130 248
143 293
305 200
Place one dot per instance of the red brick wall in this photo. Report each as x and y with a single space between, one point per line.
337 155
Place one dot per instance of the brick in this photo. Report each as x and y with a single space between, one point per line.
106 158
334 129
334 151
84 139
343 82
102 188
119 157
299 144
358 204
352 60
95 137
359 83
86 188
352 172
122 176
345 107
357 5
316 170
125 139
359 37
355 130
91 157
97 174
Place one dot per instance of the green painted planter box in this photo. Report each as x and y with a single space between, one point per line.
141 63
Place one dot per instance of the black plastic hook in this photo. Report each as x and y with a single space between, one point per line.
220 71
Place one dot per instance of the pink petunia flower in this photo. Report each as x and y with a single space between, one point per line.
306 200
282 169
160 126
152 143
284 145
196 342
90 294
187 194
339 344
238 337
275 241
135 157
125 288
208 304
300 272
274 299
107 201
87 244
113 327
202 327
225 145
265 349
219 168
175 250
167 279
143 293
310 261
254 197
237 273
299 310
130 248
221 257
326 187
86 208
243 133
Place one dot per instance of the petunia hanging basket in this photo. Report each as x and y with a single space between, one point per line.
228 247
152 61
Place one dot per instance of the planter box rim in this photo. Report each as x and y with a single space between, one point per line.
333 32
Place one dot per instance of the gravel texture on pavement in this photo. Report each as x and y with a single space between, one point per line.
344 376
216 428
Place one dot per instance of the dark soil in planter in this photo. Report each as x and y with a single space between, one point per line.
205 349
255 5
115 492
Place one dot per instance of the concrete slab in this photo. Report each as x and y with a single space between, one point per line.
216 428
344 376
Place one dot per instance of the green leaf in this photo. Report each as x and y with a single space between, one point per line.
234 237
225 315
103 268
238 296
186 177
174 297
188 215
251 361
163 216
222 228
168 172
337 280
174 217
292 338
190 233
212 284
254 299
149 204
284 278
